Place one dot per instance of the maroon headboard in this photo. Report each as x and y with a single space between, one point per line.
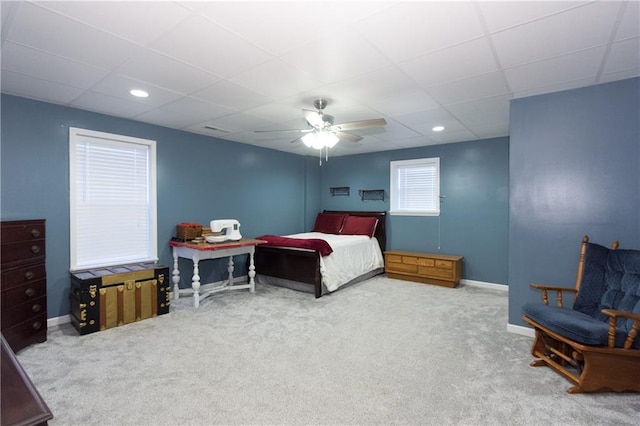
381 230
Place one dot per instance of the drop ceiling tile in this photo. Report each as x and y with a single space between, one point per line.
275 79
109 105
482 113
39 64
232 96
70 39
168 118
165 72
461 135
238 122
109 16
33 88
478 87
417 119
576 66
624 55
276 112
378 84
630 24
197 110
500 15
410 29
204 44
287 26
559 34
336 56
620 75
454 63
391 131
415 142
405 103
567 85
119 86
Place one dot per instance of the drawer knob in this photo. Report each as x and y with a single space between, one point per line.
29 292
36 308
37 325
35 249
29 275
35 233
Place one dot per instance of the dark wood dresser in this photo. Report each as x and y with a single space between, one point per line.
24 282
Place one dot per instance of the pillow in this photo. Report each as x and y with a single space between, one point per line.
328 223
357 225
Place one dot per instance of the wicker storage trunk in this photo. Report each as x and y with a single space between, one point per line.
110 297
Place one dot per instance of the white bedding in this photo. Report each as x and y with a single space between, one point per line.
353 255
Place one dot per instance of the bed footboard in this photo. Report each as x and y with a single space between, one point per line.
289 264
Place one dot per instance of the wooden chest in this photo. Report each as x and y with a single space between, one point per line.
428 268
110 297
24 282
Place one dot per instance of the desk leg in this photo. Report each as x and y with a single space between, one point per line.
195 284
252 273
230 268
175 276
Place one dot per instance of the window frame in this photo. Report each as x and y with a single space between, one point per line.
394 166
75 134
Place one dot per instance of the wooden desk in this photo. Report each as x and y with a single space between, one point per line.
203 251
21 403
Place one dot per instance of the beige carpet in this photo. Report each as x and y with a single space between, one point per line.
379 352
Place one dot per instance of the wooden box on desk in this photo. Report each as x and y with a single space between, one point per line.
110 297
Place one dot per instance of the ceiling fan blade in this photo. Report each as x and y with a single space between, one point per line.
284 131
296 140
363 124
348 136
313 118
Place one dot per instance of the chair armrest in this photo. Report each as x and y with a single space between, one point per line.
559 290
613 318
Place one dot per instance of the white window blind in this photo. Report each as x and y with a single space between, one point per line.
112 199
415 187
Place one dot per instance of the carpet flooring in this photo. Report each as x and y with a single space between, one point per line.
379 352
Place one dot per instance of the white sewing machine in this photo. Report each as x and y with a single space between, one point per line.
230 227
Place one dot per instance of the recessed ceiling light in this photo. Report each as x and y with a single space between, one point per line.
139 93
438 128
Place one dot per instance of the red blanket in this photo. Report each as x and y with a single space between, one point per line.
316 244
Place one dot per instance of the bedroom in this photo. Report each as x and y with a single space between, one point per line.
524 185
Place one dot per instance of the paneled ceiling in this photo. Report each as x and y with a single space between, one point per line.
243 66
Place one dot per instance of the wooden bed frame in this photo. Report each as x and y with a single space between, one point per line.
304 266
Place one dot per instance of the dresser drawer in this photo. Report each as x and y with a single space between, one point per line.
33 330
23 252
435 272
421 261
401 267
19 276
24 293
19 313
26 230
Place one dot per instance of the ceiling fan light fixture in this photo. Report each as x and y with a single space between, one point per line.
321 139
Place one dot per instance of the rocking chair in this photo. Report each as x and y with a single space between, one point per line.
596 343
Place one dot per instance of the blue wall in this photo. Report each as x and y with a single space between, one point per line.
474 215
575 161
199 178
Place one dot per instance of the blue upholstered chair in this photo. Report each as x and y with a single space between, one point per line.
596 342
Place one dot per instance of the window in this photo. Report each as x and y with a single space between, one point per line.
415 187
112 188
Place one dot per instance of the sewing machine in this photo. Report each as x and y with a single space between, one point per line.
230 227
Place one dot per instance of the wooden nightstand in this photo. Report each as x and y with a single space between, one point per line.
428 268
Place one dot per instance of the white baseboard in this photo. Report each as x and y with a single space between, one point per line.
482 284
519 329
58 320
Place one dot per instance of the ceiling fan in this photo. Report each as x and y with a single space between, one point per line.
323 133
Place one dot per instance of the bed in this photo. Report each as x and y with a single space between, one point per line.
305 269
